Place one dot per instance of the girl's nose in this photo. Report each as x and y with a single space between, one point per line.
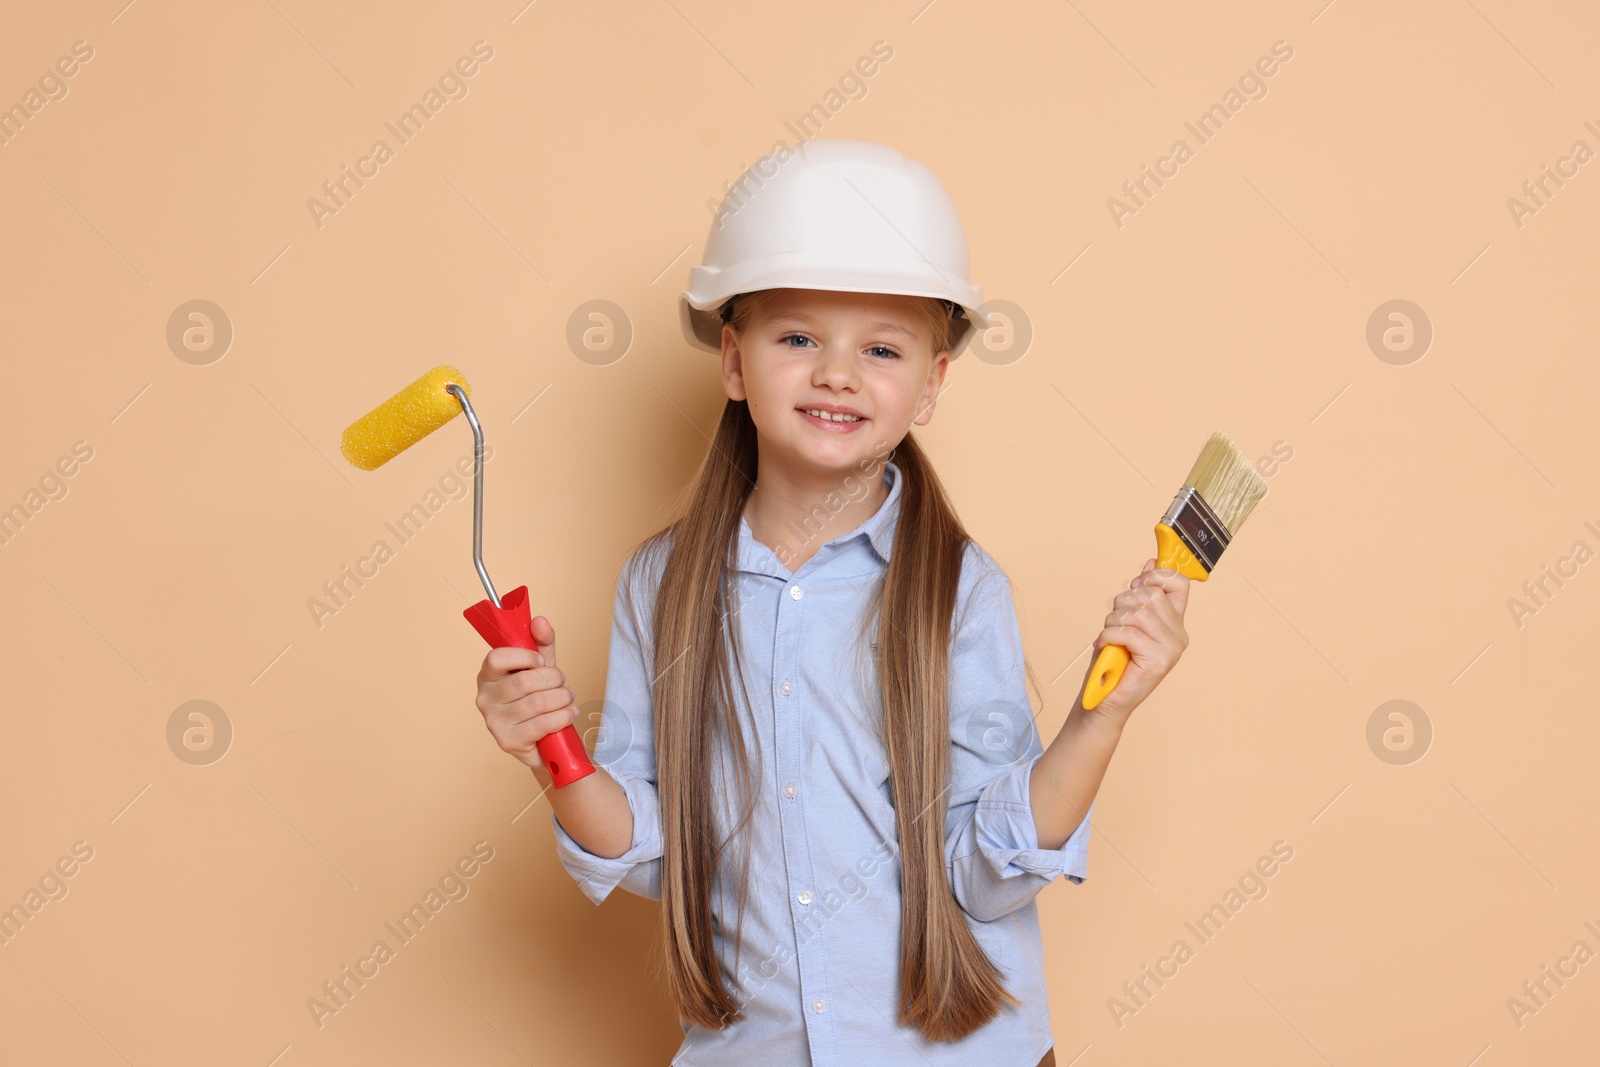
834 366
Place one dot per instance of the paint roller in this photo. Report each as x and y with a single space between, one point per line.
394 426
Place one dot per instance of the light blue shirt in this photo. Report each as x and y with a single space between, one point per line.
819 968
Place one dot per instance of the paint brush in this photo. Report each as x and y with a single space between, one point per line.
1219 494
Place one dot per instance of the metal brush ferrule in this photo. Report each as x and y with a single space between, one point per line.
1197 526
477 490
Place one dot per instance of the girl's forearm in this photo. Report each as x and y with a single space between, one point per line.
594 810
1067 777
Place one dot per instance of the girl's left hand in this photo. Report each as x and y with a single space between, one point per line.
1147 620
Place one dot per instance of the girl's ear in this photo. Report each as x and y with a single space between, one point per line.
732 365
930 392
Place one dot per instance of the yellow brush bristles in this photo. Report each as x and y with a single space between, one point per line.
404 419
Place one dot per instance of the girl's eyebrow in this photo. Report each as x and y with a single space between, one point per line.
799 317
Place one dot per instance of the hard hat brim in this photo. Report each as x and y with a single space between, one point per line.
700 318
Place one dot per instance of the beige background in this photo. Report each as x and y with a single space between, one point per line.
1418 500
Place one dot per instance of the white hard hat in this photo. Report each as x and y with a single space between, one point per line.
848 216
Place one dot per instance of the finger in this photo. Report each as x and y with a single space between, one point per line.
501 661
525 736
1158 616
538 695
1167 614
1155 617
1138 643
531 706
1132 598
1155 595
1175 585
538 680
544 635
509 689
1164 577
547 723
1148 653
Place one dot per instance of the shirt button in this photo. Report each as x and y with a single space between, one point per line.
819 1005
789 790
796 592
804 897
785 688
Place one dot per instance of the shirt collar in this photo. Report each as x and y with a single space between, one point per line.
878 529
881 526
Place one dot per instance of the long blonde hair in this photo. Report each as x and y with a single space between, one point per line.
948 985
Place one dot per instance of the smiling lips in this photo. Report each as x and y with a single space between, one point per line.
833 418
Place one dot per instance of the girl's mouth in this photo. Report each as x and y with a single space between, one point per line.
831 425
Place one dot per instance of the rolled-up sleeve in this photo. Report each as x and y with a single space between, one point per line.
991 841
625 748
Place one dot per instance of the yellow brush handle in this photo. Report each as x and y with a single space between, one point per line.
1172 554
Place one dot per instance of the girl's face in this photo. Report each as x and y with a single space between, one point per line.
867 354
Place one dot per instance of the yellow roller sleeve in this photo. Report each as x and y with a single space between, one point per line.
1171 554
404 419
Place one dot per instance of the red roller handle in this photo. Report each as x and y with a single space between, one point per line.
510 626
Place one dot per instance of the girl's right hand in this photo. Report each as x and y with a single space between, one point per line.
523 695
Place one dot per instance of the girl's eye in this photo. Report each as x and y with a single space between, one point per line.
889 353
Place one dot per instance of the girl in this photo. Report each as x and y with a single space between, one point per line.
818 751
